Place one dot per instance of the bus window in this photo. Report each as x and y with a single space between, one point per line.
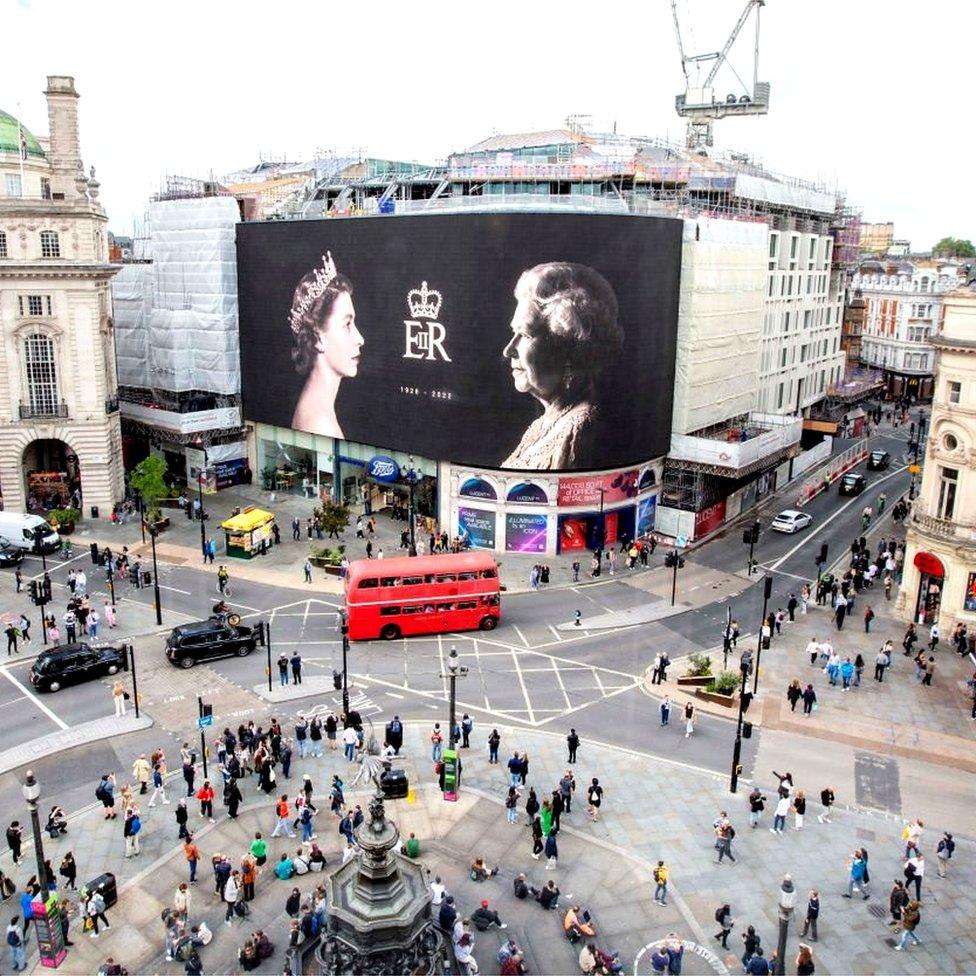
412 609
445 606
488 574
445 578
467 605
490 601
390 581
467 577
412 580
368 584
389 611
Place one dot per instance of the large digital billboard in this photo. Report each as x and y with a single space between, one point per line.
514 341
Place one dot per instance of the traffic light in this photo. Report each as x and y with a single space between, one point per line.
46 588
746 702
681 562
747 730
337 681
35 592
750 535
260 633
93 549
823 554
134 574
670 559
206 708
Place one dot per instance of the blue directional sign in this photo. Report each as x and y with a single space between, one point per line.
204 721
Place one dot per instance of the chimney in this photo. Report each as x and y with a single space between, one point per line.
67 173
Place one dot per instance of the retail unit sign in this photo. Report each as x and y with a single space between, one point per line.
478 488
382 468
527 493
616 487
491 340
525 533
709 519
183 423
478 526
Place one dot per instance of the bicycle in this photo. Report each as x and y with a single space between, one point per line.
65 551
226 591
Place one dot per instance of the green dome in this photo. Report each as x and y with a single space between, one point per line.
10 138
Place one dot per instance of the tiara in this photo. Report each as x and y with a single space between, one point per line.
323 278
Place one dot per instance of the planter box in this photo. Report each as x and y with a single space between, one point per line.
66 528
160 524
322 563
696 680
727 700
331 570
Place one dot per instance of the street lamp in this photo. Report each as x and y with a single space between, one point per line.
201 474
344 629
745 698
787 899
32 793
767 592
153 532
409 475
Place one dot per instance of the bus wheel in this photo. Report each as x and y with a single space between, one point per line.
390 632
489 623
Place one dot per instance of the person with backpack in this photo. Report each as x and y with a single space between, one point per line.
283 818
96 911
105 794
594 798
723 915
15 941
130 831
511 805
661 883
943 853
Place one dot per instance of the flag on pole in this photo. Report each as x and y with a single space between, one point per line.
23 146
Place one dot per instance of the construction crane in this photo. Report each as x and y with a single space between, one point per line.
699 103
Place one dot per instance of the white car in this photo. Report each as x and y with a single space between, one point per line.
790 521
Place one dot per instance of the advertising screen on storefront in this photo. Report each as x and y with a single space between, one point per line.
525 533
479 527
507 341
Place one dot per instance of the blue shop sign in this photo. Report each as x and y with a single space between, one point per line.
383 468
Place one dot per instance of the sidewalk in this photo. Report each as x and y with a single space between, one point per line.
652 809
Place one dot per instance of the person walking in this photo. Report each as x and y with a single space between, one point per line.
232 798
724 833
868 617
141 772
594 799
898 898
494 740
511 805
794 693
858 876
723 915
307 568
68 870
660 875
552 852
130 831
15 839
757 803
809 699
283 818
283 669
813 913
799 809
567 786
910 917
119 695
96 911
437 747
827 800
192 854
572 742
296 668
231 893
779 817
15 942
914 872
689 719
943 853
665 709
206 797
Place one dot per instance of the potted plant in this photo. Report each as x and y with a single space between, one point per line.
327 559
63 519
721 689
699 671
149 479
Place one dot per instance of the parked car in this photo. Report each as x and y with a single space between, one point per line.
790 521
70 664
852 484
10 555
206 640
878 460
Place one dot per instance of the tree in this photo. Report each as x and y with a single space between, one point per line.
149 479
954 247
332 517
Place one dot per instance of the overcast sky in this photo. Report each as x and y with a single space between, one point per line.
868 97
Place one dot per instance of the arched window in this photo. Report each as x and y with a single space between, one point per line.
42 380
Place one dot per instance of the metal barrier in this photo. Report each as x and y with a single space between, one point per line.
835 468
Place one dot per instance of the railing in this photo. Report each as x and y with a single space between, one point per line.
942 528
112 405
30 411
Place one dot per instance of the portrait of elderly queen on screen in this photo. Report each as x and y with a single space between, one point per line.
565 333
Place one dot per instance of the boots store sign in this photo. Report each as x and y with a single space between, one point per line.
491 340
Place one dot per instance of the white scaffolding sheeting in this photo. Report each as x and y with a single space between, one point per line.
132 301
720 318
193 323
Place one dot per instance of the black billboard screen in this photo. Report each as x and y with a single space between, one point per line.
518 341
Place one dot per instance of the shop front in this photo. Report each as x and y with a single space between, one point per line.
53 476
928 597
550 514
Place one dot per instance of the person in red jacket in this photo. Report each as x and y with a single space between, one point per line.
205 795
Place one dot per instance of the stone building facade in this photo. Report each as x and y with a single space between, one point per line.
60 439
940 561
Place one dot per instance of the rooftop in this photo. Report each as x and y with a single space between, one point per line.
11 132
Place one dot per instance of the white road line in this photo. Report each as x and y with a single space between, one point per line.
555 633
525 691
393 694
173 589
779 562
562 687
29 694
570 711
13 701
521 636
599 683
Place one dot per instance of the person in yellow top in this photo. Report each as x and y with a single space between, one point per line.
661 883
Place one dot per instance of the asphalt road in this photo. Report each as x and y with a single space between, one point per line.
525 672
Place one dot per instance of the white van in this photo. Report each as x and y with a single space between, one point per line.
28 532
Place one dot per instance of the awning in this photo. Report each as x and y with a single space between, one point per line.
250 518
931 565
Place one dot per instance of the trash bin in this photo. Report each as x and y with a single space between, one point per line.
394 784
105 885
94 511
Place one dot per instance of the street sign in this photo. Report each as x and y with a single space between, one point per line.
204 721
680 542
914 468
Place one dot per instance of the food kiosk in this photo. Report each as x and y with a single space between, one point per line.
248 532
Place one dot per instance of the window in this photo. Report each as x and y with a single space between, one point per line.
42 385
45 188
948 482
13 185
368 584
50 245
34 304
3 244
389 611
782 358
950 442
955 391
779 397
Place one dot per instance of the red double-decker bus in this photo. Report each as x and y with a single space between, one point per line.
393 598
